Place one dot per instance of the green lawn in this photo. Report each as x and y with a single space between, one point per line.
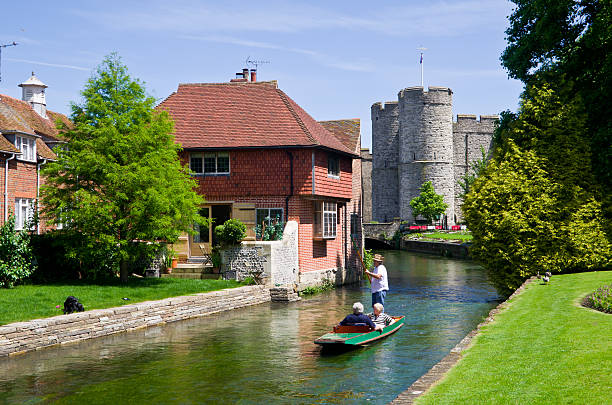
27 302
543 349
463 236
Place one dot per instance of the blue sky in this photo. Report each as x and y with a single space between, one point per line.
334 58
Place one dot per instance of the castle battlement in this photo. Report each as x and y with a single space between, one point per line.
384 104
416 140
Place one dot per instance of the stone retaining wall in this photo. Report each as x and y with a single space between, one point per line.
21 337
446 249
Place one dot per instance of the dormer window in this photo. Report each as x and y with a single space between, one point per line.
27 146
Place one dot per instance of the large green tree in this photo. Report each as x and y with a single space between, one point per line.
118 181
534 208
428 204
569 40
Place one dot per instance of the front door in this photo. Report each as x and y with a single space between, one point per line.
200 242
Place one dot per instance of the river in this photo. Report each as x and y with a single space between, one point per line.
265 353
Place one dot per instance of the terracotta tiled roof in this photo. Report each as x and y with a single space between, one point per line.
43 150
347 131
6 146
243 115
17 115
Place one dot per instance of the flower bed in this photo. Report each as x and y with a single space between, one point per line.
600 300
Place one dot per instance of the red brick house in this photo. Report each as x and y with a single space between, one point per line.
27 134
255 154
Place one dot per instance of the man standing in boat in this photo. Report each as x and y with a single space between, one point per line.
378 280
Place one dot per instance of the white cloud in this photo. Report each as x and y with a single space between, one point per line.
317 56
57 65
438 18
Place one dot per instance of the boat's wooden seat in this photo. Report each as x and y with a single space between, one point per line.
352 329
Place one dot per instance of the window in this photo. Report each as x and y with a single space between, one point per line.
210 163
23 212
333 166
325 220
268 215
27 146
355 225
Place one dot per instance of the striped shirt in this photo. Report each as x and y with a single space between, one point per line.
382 319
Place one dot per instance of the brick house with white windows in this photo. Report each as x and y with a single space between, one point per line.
255 154
27 134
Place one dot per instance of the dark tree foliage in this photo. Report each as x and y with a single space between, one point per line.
558 40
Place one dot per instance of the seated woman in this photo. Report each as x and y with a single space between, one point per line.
379 318
357 317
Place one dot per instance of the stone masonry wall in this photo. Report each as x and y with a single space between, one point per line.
366 184
419 142
469 135
385 150
16 338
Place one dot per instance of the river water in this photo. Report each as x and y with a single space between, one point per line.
265 353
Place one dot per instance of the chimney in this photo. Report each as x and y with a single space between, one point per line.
239 78
253 75
245 74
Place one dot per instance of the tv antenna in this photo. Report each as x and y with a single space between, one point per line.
421 49
4 46
255 62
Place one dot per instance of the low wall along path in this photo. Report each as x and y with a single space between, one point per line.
21 337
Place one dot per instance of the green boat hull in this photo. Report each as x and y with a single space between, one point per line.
359 338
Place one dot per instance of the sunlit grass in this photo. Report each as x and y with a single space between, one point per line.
545 348
463 236
27 302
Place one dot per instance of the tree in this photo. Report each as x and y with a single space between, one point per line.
119 182
476 168
428 204
558 41
535 207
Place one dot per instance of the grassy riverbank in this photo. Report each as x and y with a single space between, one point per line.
463 236
27 302
544 348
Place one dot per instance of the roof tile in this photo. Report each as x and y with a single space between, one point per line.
234 115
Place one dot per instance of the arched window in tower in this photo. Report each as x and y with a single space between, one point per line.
434 155
413 156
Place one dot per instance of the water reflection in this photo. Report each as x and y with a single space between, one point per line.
265 354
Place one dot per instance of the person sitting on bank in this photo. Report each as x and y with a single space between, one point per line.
379 318
357 317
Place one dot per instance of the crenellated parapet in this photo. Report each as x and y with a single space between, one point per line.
416 140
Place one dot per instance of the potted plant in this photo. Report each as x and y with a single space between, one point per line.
171 260
215 257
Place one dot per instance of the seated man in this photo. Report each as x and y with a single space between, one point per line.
357 317
379 318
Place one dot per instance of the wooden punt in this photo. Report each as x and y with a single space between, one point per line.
357 335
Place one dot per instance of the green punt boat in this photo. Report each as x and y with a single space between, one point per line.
358 335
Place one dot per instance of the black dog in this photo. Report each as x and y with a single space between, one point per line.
72 304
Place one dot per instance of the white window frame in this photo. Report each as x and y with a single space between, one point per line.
325 224
24 211
268 214
27 146
203 155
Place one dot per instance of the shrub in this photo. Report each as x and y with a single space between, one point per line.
325 285
16 259
232 232
600 300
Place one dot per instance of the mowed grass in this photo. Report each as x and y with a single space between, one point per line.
543 349
462 236
27 302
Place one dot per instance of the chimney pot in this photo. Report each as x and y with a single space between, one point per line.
253 75
245 73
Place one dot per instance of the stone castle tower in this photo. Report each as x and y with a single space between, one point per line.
415 140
